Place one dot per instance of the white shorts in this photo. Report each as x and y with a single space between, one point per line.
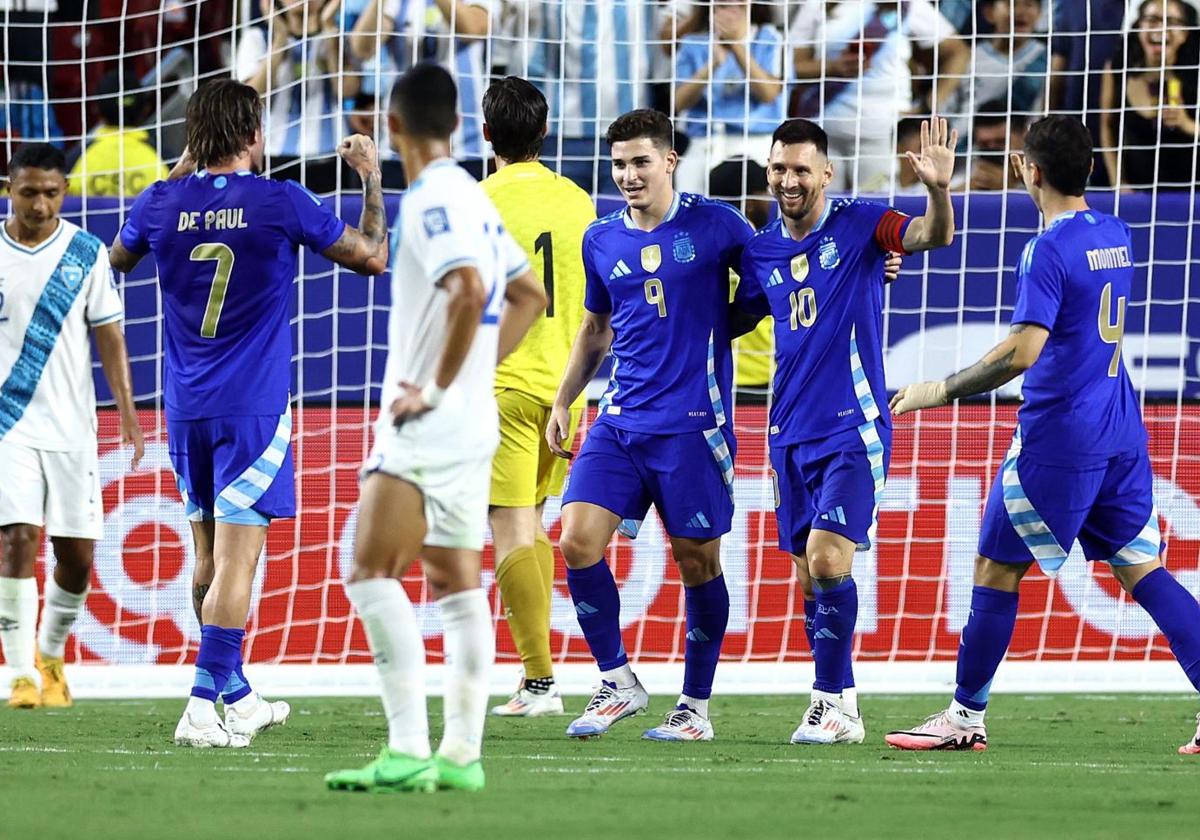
456 492
58 491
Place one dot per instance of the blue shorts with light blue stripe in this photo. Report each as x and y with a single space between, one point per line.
688 477
831 484
234 469
1037 511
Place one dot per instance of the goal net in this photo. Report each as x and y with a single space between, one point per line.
108 81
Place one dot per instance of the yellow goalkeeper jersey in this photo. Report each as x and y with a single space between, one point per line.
547 214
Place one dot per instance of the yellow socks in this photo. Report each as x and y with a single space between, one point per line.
526 596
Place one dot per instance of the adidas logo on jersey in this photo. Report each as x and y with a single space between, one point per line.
698 521
619 270
776 279
835 515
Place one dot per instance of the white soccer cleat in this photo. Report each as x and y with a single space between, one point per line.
681 724
526 703
1192 747
941 732
191 734
608 705
824 723
263 715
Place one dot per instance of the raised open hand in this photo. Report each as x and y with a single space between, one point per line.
934 166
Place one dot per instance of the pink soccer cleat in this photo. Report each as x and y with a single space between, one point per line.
940 732
1192 747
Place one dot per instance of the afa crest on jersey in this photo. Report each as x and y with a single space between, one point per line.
651 258
800 267
73 276
682 248
827 253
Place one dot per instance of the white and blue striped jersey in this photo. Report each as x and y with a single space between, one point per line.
667 292
446 221
302 117
50 298
426 35
593 62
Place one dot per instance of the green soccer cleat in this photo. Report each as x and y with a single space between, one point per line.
391 772
451 776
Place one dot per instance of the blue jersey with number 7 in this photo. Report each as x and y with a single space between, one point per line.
226 252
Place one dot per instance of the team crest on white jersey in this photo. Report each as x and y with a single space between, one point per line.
800 268
827 253
73 276
651 258
682 248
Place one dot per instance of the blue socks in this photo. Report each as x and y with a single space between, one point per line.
810 619
220 652
237 687
1177 614
983 644
598 609
707 617
833 634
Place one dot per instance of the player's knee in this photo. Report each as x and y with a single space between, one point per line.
695 569
1131 576
995 575
827 562
20 549
578 551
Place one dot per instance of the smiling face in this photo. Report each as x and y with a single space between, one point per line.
1160 33
797 175
37 197
642 169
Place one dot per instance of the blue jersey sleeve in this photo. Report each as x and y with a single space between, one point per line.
595 295
1040 280
135 234
738 231
314 225
750 296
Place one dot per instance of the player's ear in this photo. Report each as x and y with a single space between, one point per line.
487 132
672 158
545 129
827 173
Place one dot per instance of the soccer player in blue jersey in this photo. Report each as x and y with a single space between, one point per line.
1078 467
225 243
657 298
818 271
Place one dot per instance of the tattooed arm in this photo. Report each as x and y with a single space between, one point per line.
1003 363
363 249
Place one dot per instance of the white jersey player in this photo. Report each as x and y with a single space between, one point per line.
463 296
55 290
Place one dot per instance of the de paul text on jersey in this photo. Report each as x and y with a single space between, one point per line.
227 218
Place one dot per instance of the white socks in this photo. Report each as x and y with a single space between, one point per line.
470 645
58 616
697 705
850 702
395 640
202 712
622 676
18 624
965 717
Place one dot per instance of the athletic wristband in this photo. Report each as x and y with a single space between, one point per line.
432 395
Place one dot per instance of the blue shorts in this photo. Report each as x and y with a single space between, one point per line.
1036 512
832 484
234 469
688 477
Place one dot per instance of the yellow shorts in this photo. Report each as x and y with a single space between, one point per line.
524 471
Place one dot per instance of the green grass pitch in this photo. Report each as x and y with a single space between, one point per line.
1058 766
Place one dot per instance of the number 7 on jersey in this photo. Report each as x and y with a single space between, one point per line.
222 254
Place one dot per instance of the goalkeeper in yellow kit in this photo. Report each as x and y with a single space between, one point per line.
547 215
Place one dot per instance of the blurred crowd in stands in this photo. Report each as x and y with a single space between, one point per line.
109 79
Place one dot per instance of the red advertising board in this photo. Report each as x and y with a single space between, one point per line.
914 585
